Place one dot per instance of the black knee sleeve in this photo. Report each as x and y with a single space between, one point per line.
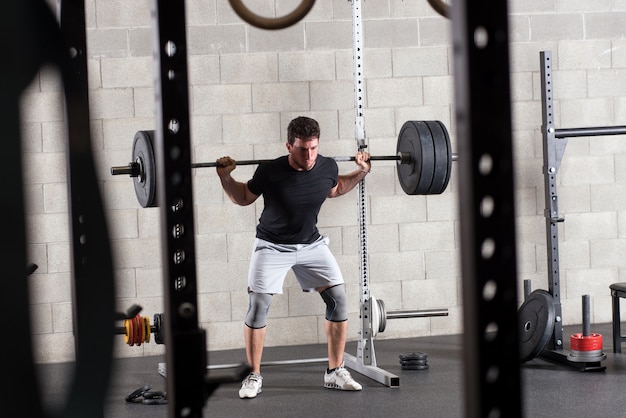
335 299
257 309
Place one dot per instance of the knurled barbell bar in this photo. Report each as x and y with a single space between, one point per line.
133 169
424 159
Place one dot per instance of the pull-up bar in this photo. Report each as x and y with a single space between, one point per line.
591 131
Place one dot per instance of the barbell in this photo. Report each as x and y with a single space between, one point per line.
423 156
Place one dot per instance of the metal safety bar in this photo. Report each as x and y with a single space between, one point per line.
590 131
420 313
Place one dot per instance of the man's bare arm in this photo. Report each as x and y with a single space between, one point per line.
347 182
237 191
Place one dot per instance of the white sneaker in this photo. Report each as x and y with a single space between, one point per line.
251 386
341 379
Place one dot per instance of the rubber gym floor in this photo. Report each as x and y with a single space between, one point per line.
549 389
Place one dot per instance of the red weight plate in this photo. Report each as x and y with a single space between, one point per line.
591 342
138 330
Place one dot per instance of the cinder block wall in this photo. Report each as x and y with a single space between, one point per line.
245 86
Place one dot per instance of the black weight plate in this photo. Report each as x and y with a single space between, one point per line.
145 183
425 367
428 157
413 356
443 157
536 321
413 360
409 174
132 397
414 363
159 336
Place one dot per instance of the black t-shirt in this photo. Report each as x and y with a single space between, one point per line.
292 199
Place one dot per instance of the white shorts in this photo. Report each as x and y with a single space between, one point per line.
313 265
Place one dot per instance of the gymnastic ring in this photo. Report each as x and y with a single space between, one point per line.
269 23
440 7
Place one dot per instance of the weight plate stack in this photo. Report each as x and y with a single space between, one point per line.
586 348
414 361
428 144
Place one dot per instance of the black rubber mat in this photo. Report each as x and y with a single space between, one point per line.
296 390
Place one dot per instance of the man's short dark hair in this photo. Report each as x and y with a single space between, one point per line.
303 128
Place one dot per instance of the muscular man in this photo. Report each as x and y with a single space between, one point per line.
293 188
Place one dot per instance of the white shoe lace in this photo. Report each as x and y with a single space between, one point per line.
251 381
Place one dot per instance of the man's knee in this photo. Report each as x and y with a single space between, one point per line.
257 309
336 303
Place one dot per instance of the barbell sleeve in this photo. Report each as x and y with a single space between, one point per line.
123 169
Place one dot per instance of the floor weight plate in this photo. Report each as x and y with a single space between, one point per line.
413 356
424 367
536 323
413 363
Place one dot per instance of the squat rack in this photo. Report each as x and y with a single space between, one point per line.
371 311
554 143
479 61
365 360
